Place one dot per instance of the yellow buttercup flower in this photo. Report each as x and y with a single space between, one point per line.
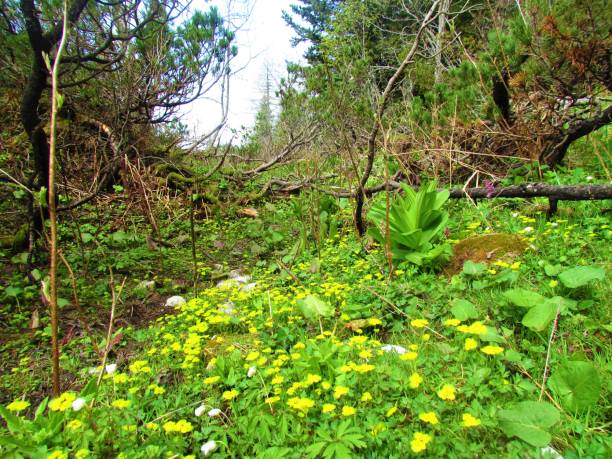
419 442
452 322
447 392
348 410
492 350
212 379
121 403
409 356
230 394
328 408
57 455
419 323
391 411
470 421
18 405
340 391
414 380
429 417
75 424
470 344
63 402
366 397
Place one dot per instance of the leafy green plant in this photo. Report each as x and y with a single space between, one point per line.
416 222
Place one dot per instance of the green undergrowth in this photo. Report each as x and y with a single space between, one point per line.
302 367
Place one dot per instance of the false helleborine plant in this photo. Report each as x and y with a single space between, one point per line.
416 224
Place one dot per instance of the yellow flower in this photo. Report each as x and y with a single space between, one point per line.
57 455
419 323
477 328
312 379
253 355
300 404
409 356
212 379
277 380
415 380
140 366
81 454
492 350
271 400
181 426
120 378
470 421
391 411
121 403
340 391
365 354
429 417
63 402
470 344
157 390
452 322
325 385
419 442
75 424
366 397
348 410
364 368
151 426
553 283
447 392
426 337
373 321
328 408
230 394
18 405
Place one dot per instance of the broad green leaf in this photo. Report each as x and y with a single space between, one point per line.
576 384
87 237
538 317
474 269
529 421
523 298
552 270
581 275
464 310
313 307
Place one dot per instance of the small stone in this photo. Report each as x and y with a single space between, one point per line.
247 287
175 301
228 308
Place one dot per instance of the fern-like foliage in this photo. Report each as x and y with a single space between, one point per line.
416 223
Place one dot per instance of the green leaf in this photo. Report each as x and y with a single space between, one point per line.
14 423
464 310
552 270
474 269
529 421
538 317
576 384
87 237
581 275
313 307
523 298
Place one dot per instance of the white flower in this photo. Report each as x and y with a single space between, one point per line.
94 371
515 214
251 372
589 178
111 368
394 348
214 413
528 229
554 224
78 404
208 447
199 410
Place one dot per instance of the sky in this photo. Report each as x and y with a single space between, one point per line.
264 40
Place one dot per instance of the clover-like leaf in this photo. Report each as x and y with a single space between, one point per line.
529 421
577 385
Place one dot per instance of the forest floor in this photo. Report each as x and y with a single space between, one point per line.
324 351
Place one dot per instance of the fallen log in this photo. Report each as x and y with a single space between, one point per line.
536 190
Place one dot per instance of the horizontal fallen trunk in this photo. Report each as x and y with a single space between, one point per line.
535 190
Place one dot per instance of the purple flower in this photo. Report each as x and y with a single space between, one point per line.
490 188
